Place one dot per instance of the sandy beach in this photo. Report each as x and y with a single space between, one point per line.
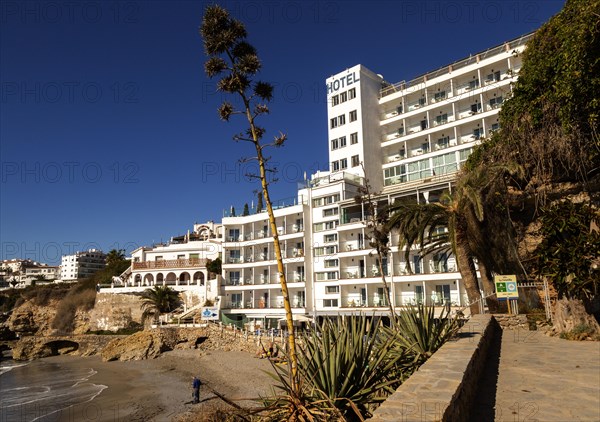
160 389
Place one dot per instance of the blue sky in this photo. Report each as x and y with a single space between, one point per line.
109 135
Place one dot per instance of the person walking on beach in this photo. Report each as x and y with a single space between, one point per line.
196 389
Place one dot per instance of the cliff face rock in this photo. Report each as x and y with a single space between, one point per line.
141 345
34 347
31 319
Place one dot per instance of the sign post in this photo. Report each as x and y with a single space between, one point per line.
507 289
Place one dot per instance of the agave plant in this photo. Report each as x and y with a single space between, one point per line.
346 370
418 332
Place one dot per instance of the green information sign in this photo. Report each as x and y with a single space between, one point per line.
506 286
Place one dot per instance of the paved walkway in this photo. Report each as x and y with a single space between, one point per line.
543 378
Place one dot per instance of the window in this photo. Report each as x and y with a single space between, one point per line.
422 101
343 164
352 94
326 200
330 212
355 161
330 237
335 144
353 116
475 108
325 250
330 275
443 142
335 100
342 142
335 166
332 289
495 127
495 102
330 303
442 119
478 133
330 263
439 96
329 225
443 164
399 109
354 138
473 84
343 97
423 124
342 120
333 123
425 147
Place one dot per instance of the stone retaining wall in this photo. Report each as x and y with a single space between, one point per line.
512 322
444 387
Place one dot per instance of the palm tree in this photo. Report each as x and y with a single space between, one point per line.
461 212
114 256
158 300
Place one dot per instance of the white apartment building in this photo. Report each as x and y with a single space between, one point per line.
409 139
82 264
40 273
250 292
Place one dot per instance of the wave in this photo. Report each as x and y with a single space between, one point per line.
38 391
10 365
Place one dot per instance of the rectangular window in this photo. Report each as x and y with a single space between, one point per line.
342 120
330 303
474 84
325 250
355 160
354 138
422 101
475 108
335 100
343 164
342 142
335 144
330 238
335 166
332 289
343 97
352 93
333 123
441 119
328 225
353 116
439 96
330 212
444 164
495 127
330 275
478 133
326 200
495 102
330 263
443 142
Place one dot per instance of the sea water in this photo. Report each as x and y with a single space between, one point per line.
45 391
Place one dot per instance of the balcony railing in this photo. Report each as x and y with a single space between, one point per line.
170 263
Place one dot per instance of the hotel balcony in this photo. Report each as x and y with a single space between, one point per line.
169 263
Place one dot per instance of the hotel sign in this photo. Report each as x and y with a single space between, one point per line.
506 286
343 82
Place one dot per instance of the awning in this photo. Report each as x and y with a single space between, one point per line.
298 318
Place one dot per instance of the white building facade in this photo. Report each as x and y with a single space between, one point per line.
82 264
409 140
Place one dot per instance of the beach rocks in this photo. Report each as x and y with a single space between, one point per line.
141 345
34 347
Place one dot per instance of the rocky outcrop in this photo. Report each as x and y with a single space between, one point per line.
30 347
32 319
141 345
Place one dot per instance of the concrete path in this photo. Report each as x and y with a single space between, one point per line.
547 379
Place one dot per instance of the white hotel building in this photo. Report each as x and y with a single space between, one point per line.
412 138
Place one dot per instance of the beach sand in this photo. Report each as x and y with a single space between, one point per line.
160 389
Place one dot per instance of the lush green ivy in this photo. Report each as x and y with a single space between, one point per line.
570 250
